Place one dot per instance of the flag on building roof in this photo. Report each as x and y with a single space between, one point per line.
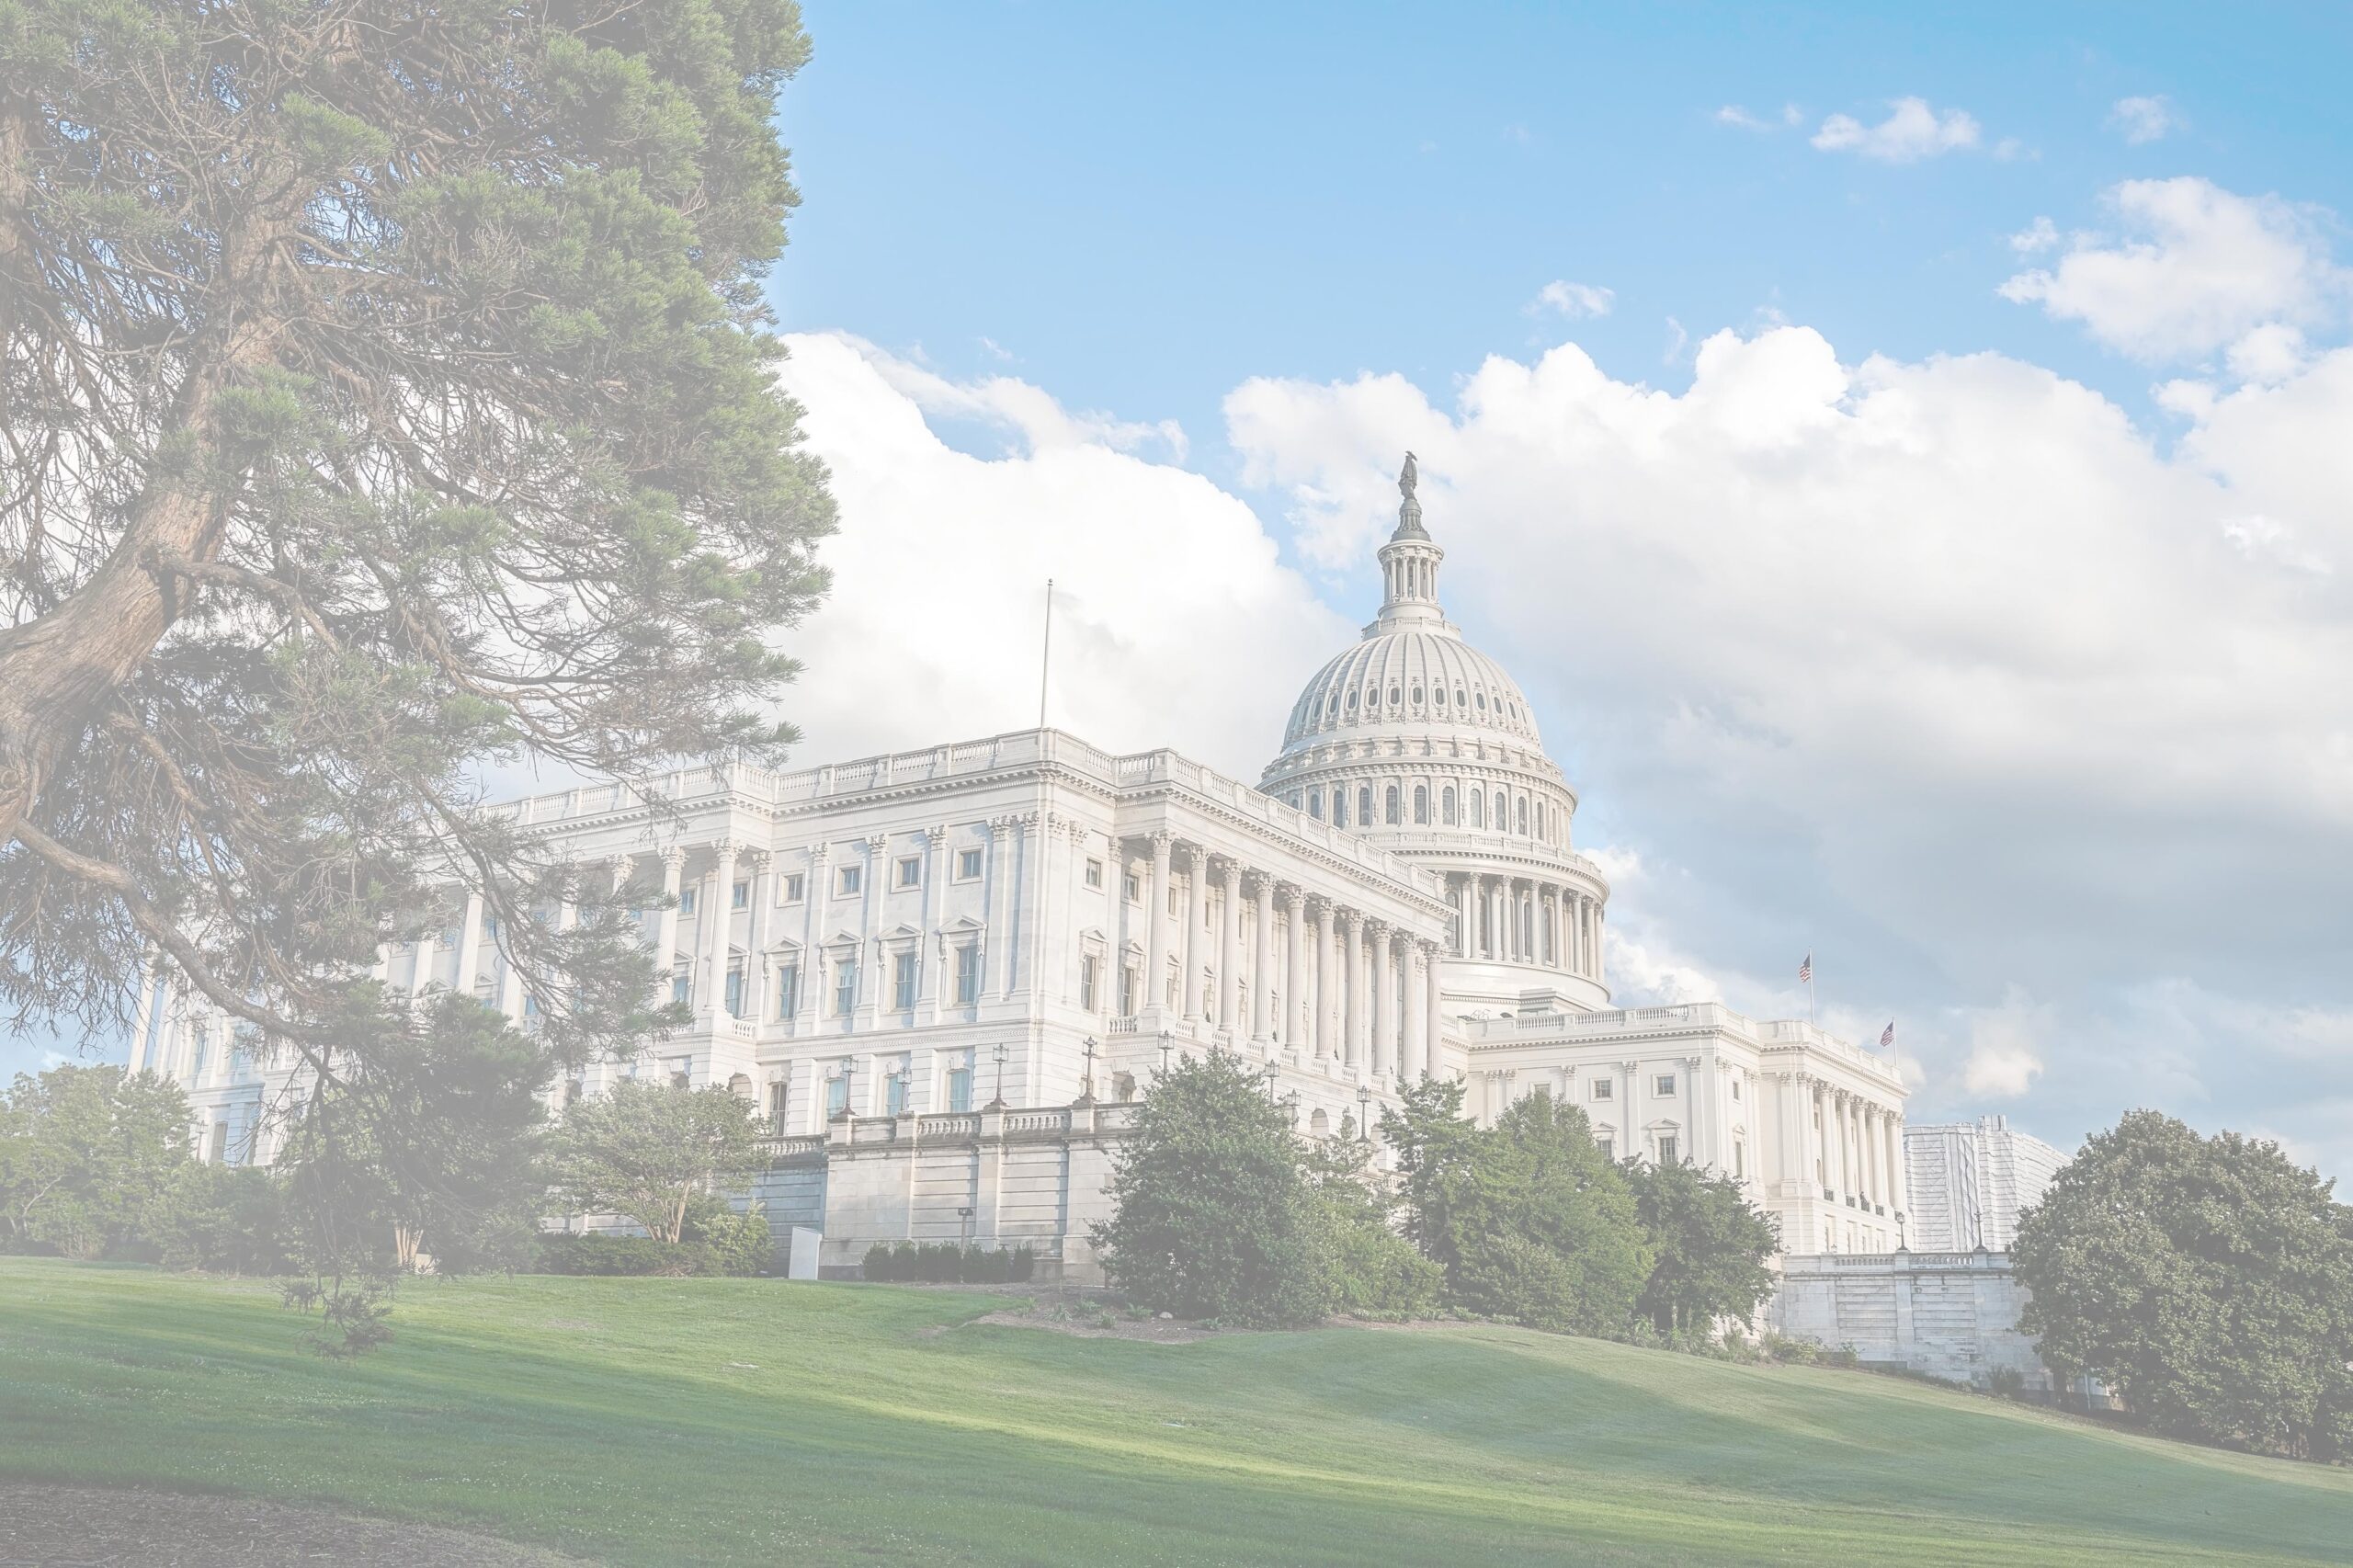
1805 971
1887 1034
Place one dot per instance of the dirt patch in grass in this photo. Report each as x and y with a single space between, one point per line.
91 1526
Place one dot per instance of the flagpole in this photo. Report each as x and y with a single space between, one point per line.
1046 653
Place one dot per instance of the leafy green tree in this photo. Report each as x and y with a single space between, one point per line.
1212 1217
1372 1271
386 395
2209 1282
229 1219
1434 1144
1546 1226
1709 1247
87 1154
648 1151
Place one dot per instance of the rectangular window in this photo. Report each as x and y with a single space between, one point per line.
734 992
1087 967
902 981
681 1070
220 1141
837 1096
1603 1089
845 988
682 989
1132 887
686 901
1130 982
1666 1149
910 870
1663 1086
1175 905
779 1095
1095 873
968 974
960 1088
794 888
895 1095
968 865
848 879
1608 1151
1736 1088
788 991
741 896
1739 1161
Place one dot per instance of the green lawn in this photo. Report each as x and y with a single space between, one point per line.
756 1421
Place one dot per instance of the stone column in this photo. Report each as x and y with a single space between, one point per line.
1197 920
666 940
1229 951
1434 1016
421 976
1600 969
1262 981
1295 1005
1413 1061
755 943
813 891
1325 994
1630 1136
469 947
1352 992
1155 926
717 918
1382 1057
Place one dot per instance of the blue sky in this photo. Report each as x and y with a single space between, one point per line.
1901 454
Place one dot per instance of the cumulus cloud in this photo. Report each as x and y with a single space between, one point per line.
1911 131
2039 235
2193 269
1572 300
1175 624
1943 667
2006 1048
2143 120
1740 119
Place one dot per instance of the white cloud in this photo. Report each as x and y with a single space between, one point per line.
1911 131
1175 624
1740 119
1572 300
2039 236
2005 1047
2143 120
2196 269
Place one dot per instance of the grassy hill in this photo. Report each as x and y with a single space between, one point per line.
738 1421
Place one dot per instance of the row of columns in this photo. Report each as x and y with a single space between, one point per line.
1354 989
1526 920
1842 1143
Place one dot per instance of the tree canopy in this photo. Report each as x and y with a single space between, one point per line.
88 1156
647 1151
2209 1282
387 398
1709 1243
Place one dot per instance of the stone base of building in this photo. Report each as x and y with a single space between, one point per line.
999 1178
1953 1316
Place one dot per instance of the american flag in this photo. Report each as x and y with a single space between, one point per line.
1887 1034
1805 971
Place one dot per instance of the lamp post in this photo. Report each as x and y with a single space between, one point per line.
849 1067
1364 1112
964 1222
998 1054
1270 1074
1086 1089
1167 1044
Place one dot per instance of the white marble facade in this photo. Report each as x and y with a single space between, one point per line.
914 938
1970 1181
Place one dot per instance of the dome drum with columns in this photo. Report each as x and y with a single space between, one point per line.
1425 747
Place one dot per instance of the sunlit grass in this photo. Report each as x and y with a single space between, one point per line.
757 1421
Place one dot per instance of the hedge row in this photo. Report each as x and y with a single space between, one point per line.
942 1264
633 1255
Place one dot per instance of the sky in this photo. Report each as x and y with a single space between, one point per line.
1902 456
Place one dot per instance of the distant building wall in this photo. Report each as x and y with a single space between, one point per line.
1949 1315
1969 1181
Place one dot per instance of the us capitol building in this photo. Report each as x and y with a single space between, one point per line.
946 975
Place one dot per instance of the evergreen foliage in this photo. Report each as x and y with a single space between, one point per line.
2209 1282
1709 1247
1212 1217
386 397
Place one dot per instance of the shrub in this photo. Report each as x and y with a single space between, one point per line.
737 1244
2006 1382
880 1266
1020 1263
623 1255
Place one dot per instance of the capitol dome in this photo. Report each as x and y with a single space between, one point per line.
1426 747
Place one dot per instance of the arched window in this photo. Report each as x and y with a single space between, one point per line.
1314 805
1503 812
1457 696
1482 700
1395 697
1421 805
1364 806
1396 815
1339 807
1417 696
1352 702
1445 805
1478 808
1523 816
1540 819
1331 706
1438 695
